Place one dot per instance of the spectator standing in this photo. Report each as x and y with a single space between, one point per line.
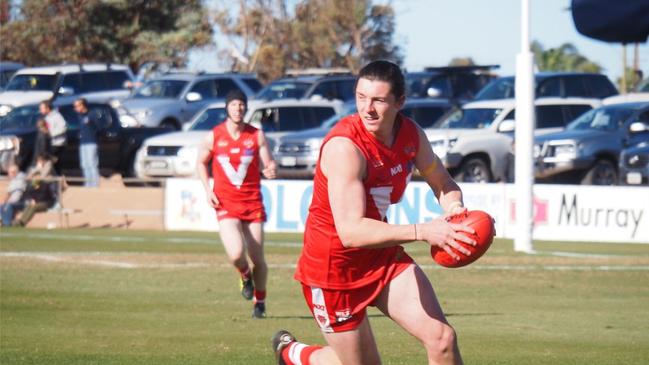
43 143
55 124
88 154
13 199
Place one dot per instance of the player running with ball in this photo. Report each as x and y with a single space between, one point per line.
235 149
352 258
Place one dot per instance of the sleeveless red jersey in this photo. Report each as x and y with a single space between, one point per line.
324 262
235 166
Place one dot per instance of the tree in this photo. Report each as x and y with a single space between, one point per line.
262 36
564 58
123 31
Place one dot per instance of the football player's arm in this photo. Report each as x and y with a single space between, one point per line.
270 168
204 157
344 166
432 170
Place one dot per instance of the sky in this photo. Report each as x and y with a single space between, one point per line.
432 32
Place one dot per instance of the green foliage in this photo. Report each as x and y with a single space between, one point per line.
564 58
264 37
123 31
69 297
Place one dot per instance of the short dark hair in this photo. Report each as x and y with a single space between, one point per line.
236 94
47 103
386 71
83 102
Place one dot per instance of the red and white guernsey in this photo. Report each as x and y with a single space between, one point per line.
324 262
235 168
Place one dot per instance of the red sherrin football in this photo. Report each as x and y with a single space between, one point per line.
483 225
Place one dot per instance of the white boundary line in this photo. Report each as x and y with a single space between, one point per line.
74 258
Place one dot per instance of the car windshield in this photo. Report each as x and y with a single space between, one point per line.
470 118
604 119
161 89
31 83
283 90
348 108
502 88
416 85
18 118
209 119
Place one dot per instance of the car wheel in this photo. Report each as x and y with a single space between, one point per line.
474 170
603 172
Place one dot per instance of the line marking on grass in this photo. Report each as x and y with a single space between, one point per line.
77 258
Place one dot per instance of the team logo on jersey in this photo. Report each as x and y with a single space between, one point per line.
235 150
376 162
237 176
343 315
222 143
396 169
248 143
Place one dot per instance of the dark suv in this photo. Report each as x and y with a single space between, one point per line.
330 84
553 84
458 83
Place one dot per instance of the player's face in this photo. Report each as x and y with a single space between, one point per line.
376 105
236 109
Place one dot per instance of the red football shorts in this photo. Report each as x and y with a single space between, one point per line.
343 310
253 213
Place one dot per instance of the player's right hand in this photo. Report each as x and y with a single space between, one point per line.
439 232
212 199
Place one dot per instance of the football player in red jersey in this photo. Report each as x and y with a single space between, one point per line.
352 257
235 149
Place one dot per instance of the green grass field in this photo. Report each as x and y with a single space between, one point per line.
124 297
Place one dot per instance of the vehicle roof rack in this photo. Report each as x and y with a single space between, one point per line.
452 69
316 71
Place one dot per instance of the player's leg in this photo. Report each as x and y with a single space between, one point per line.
354 347
410 301
230 230
253 233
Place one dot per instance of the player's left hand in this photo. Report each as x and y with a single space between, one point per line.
270 171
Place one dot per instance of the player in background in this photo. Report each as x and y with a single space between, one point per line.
235 149
352 258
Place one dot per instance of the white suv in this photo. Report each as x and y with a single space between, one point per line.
174 154
96 82
475 142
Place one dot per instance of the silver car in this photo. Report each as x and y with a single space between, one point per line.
174 99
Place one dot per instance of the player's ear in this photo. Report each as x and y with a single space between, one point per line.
401 101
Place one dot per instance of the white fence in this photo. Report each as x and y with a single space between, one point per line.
562 212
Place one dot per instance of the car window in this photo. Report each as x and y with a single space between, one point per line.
253 84
21 117
470 118
224 86
573 111
326 89
549 87
26 82
206 89
599 86
161 89
283 90
209 119
72 81
606 119
549 116
440 83
575 86
502 88
425 116
346 89
116 80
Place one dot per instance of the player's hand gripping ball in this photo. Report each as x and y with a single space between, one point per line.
483 224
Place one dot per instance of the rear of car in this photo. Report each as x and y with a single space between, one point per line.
634 165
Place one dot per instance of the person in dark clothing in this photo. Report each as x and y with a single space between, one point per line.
88 154
43 143
39 198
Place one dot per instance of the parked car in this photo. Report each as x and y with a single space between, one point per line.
475 142
174 99
634 165
297 153
96 82
8 69
174 154
117 145
553 84
316 84
459 83
640 93
587 150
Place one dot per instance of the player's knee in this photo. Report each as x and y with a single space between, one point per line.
441 343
